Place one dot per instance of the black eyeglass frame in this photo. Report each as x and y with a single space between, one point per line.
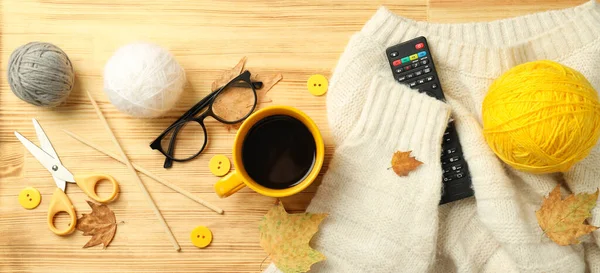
188 116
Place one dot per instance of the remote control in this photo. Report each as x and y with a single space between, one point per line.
412 65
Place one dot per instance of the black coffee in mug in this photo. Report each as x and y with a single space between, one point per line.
278 152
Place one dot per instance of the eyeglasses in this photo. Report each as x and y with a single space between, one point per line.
186 138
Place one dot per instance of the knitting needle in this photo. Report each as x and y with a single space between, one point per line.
135 174
148 173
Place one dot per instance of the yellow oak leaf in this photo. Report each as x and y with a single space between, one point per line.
268 81
403 163
101 224
285 237
563 221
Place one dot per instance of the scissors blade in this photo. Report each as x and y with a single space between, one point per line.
61 184
44 141
50 163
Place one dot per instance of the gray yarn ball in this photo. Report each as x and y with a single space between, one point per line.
40 74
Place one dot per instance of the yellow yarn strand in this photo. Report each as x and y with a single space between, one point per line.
541 117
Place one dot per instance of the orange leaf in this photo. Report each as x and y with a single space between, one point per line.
403 163
101 224
563 221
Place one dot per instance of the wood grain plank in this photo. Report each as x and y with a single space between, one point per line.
295 38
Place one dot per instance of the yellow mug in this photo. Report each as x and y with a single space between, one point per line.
239 178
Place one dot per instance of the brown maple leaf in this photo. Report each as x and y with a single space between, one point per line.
563 221
101 224
285 237
403 163
268 80
228 75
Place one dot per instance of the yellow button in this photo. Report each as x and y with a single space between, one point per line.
201 236
317 84
219 165
413 57
30 198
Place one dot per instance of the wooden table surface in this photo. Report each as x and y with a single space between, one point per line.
295 38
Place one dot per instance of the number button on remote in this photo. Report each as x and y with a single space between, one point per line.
451 150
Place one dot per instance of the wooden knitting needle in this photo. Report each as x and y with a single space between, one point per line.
148 173
140 183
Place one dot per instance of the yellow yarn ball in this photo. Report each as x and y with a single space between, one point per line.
541 117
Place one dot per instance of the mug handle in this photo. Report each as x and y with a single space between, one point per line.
229 184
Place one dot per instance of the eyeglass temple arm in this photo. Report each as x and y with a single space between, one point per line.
257 85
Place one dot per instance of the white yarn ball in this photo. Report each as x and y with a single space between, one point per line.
143 80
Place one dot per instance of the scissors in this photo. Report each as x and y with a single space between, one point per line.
48 157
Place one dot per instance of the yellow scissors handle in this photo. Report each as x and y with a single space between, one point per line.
87 183
60 202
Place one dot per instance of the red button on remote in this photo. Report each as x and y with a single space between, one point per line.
419 45
397 63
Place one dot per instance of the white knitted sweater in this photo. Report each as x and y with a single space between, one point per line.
380 222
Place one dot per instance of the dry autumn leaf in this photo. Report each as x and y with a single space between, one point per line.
101 224
229 74
268 80
285 237
563 220
403 163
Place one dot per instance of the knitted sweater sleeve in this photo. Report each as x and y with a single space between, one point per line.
378 221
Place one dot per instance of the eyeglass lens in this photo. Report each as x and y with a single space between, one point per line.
189 140
235 102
